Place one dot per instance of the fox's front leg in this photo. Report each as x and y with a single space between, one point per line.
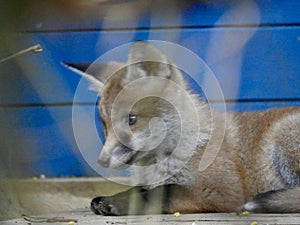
134 202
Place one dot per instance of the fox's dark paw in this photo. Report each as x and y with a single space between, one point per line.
103 206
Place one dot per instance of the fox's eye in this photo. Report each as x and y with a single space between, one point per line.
132 119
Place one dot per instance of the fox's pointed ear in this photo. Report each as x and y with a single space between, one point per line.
146 60
97 73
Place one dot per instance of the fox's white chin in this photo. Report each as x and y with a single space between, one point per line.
113 163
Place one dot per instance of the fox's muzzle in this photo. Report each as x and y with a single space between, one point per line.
104 159
116 157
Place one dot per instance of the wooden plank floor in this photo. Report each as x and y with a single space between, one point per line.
85 217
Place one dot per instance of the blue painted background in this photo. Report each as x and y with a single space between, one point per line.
36 91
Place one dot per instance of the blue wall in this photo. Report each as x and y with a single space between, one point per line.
252 48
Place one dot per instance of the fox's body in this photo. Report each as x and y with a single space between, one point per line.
257 152
247 162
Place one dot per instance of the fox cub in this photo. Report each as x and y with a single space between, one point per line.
157 126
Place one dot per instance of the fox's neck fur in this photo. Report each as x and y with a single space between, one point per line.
174 168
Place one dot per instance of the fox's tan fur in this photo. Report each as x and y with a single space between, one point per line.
259 152
244 166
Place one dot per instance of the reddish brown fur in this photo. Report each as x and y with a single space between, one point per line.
241 169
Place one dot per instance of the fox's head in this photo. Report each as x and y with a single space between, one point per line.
145 108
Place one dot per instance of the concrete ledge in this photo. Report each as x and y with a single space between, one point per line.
83 217
42 196
60 200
